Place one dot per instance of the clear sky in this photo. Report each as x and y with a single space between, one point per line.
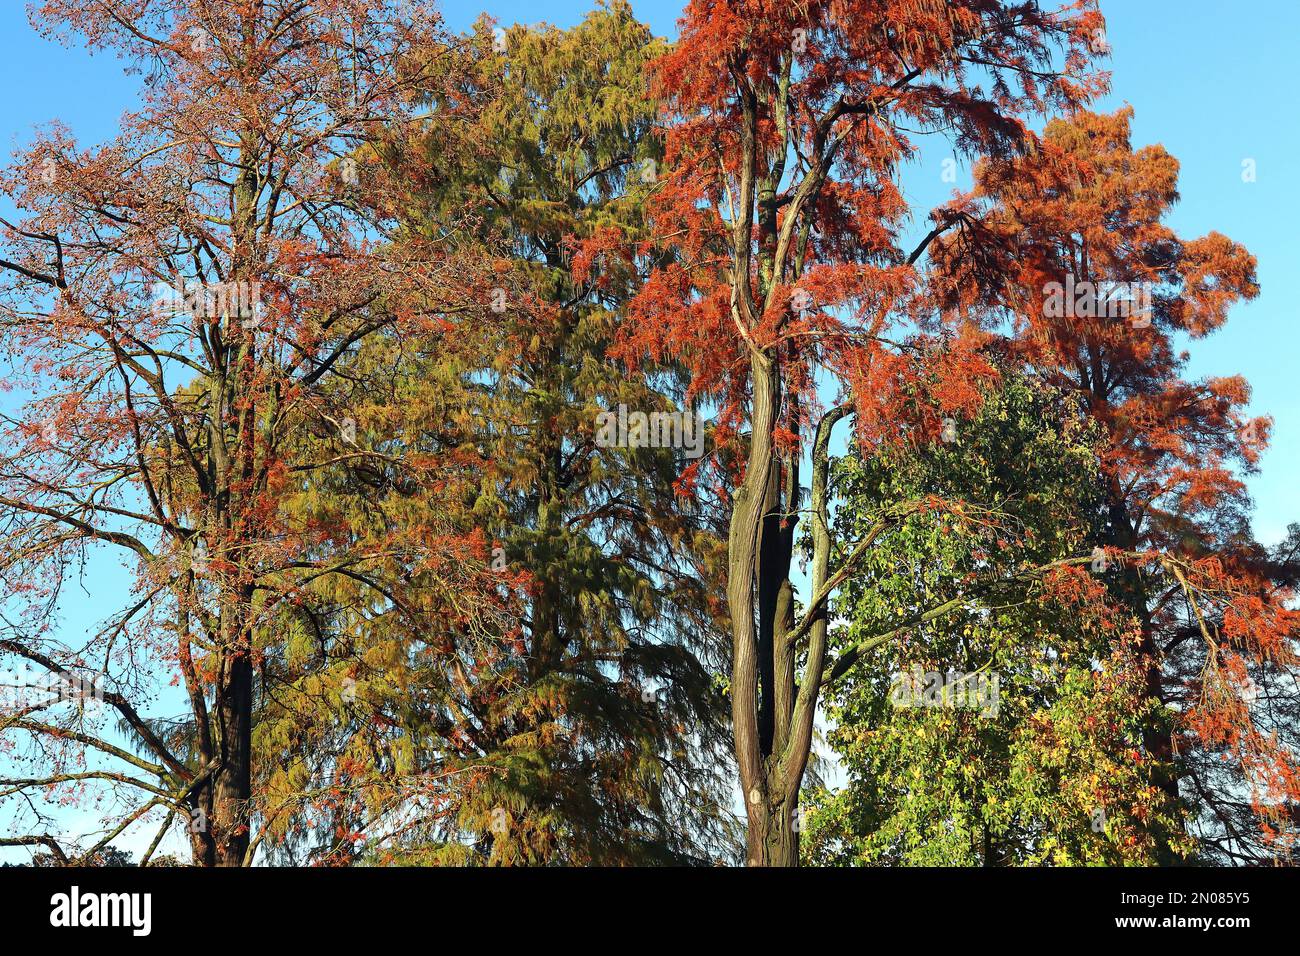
1210 81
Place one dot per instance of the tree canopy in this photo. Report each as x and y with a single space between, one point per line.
461 411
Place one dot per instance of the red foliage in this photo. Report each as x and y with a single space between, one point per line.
1213 607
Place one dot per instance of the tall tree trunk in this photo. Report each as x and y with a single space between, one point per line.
232 785
752 669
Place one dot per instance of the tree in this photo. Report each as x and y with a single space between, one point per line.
604 724
174 302
781 193
1098 289
1007 733
586 730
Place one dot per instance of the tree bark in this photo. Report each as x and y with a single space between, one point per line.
233 785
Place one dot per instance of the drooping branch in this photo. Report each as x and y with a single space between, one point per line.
116 700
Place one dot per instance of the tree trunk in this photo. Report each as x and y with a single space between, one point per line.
748 689
233 785
772 837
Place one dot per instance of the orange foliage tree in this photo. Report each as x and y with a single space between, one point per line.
782 203
174 304
1099 290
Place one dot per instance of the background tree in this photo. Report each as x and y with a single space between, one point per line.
588 730
1100 291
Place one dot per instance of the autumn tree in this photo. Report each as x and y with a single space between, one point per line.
1100 292
788 127
174 302
605 725
588 730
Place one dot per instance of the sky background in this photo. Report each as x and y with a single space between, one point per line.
1208 81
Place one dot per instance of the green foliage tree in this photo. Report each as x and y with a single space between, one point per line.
1003 733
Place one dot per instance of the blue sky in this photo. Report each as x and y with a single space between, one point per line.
1209 82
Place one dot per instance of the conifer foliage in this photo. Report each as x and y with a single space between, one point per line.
593 730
